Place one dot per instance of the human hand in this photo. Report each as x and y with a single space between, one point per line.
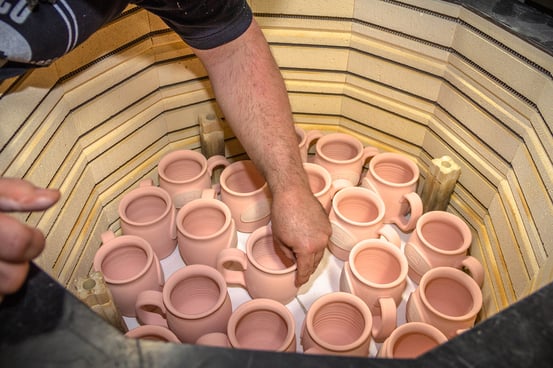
19 243
300 223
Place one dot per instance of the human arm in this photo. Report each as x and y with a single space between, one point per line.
251 92
19 243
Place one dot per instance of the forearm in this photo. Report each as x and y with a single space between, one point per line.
250 91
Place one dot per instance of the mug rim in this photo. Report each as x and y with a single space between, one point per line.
183 154
382 157
375 198
340 297
318 169
200 203
257 234
234 167
345 137
130 241
429 217
136 193
194 270
262 304
382 245
461 278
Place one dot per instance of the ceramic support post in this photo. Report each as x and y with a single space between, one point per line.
93 291
212 140
439 185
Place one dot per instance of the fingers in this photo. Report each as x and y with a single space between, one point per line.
12 277
20 195
20 242
306 266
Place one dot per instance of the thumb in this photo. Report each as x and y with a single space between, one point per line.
20 195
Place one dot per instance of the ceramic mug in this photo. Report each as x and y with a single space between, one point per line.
394 177
411 340
154 333
305 140
321 184
357 213
204 227
258 324
194 302
129 266
446 298
376 272
264 269
337 323
148 212
441 239
245 191
343 156
185 173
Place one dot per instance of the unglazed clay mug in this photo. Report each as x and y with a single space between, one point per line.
441 239
394 177
305 140
446 298
265 270
194 302
357 213
148 212
343 156
376 272
411 340
185 173
337 323
129 266
258 324
154 333
245 191
321 184
204 227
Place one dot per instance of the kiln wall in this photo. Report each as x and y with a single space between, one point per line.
422 77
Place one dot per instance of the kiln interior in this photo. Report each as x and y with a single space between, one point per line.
425 78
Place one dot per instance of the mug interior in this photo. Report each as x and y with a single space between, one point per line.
394 171
269 256
449 297
243 180
339 150
195 295
377 266
124 263
413 344
182 170
146 208
203 221
338 324
358 208
442 235
262 330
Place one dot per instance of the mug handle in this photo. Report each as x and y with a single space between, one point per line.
474 268
369 152
390 234
148 182
415 205
144 303
232 255
216 161
388 319
413 309
160 275
106 236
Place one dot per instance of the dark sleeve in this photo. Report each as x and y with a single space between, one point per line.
36 38
203 24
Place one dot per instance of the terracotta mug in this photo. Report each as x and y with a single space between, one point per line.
446 298
129 266
343 156
376 271
258 324
357 213
264 270
148 212
321 184
394 177
411 340
204 227
185 173
305 140
154 333
245 191
337 323
441 239
194 302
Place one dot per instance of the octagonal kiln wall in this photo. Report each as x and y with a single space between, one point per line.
421 77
